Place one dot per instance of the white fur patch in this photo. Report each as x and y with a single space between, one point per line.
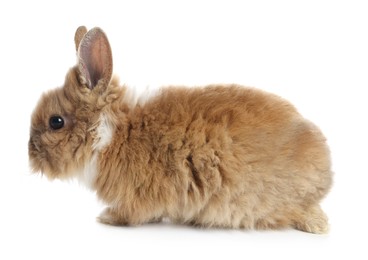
105 132
88 174
147 95
139 96
130 97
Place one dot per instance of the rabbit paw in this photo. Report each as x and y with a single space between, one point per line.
109 217
313 221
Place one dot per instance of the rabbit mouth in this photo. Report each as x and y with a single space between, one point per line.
34 151
37 157
33 145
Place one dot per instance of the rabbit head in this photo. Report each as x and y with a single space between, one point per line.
63 124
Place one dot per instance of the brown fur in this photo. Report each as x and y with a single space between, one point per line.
222 155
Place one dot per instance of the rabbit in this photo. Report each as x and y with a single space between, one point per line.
220 156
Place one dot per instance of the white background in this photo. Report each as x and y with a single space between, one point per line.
314 53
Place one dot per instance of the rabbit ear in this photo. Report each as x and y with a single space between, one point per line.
95 58
79 33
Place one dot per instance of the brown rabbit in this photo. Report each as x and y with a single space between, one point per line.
216 156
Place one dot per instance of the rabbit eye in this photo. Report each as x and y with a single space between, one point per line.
56 122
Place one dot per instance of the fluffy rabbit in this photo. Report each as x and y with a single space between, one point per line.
223 156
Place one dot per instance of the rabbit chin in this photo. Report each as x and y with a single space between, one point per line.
50 174
38 163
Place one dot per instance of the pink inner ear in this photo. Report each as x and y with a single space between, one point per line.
95 59
84 71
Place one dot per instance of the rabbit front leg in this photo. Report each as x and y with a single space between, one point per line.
114 217
110 216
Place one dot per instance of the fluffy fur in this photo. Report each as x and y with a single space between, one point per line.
215 156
